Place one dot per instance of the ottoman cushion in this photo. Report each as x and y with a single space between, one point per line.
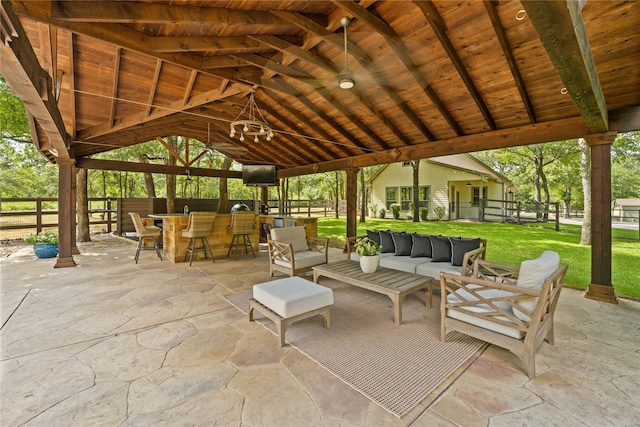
292 296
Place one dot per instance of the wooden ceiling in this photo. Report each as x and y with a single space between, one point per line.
432 77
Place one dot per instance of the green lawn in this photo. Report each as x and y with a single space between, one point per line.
512 244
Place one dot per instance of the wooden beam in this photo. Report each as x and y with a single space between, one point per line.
218 45
72 85
159 13
114 88
430 12
87 163
401 51
367 64
562 32
625 120
66 214
25 77
154 86
189 87
490 5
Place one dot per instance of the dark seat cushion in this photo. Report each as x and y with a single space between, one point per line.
386 241
440 249
421 245
460 246
403 243
374 236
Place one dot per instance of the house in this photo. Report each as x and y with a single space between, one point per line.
627 210
456 182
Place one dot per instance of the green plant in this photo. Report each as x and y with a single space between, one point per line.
410 215
48 237
395 210
367 247
439 211
383 213
373 208
424 212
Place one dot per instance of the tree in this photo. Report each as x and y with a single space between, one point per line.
82 207
222 187
585 173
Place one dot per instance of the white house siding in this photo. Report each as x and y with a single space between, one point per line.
439 178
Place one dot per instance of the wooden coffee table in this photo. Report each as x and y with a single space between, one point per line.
392 283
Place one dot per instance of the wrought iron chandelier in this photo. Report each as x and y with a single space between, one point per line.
255 125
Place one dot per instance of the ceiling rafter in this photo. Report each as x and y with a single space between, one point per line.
561 29
154 86
214 44
363 59
141 13
395 42
114 89
189 87
306 78
511 60
72 84
430 12
304 55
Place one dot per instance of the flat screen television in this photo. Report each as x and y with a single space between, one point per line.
259 175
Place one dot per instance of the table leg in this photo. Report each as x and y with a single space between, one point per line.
397 305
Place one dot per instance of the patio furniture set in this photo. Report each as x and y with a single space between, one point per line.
506 305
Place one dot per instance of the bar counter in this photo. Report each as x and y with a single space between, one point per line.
175 246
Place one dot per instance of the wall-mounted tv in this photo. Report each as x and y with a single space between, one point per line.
259 175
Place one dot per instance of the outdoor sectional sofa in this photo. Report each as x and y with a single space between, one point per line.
427 255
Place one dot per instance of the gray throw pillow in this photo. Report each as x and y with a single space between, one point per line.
460 246
374 235
386 241
403 243
440 249
421 245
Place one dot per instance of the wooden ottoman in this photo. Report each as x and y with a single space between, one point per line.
285 301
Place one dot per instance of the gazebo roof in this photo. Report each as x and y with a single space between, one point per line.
431 77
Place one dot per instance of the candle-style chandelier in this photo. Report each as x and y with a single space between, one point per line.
255 125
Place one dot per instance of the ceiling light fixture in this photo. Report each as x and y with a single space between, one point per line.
255 125
345 77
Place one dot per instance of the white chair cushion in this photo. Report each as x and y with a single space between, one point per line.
433 269
292 296
304 259
296 236
402 263
532 275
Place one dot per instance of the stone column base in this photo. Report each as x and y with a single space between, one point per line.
603 293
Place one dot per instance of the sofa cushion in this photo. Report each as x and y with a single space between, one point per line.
421 245
532 275
403 243
460 246
486 324
433 269
402 263
355 257
386 241
440 248
296 236
374 235
304 259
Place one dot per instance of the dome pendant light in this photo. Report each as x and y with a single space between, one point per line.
345 78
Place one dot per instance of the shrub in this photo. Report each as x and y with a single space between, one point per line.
373 208
49 237
395 210
410 216
424 212
439 211
383 213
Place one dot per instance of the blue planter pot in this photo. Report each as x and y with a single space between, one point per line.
45 250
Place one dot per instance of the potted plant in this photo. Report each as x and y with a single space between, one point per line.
395 210
368 251
45 245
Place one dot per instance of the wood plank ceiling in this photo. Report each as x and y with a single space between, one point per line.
432 77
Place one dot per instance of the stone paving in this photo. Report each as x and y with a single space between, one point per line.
112 343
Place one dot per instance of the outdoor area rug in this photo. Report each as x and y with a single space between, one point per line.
396 366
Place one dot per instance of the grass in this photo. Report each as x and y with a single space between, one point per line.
512 244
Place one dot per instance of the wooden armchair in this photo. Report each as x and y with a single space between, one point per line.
293 253
498 304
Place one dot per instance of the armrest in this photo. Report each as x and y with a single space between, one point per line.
470 258
280 250
351 241
318 244
496 271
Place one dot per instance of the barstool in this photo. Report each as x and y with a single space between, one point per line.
242 225
145 232
200 226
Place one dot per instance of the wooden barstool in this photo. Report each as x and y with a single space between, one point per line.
242 226
145 232
200 226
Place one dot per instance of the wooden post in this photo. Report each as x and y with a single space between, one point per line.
74 211
108 215
38 215
352 201
65 212
601 288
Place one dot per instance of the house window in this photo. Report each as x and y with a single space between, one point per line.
476 195
392 196
406 197
406 163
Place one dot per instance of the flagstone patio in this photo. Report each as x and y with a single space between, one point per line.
113 343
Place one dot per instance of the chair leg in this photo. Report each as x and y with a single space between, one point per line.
140 242
157 246
233 239
208 248
251 246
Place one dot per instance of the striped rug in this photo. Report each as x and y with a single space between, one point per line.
396 366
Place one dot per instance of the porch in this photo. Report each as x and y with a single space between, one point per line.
114 343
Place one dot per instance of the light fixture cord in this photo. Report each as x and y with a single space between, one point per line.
346 57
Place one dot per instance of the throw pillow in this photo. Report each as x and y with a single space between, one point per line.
403 243
386 241
532 275
374 235
440 249
460 246
421 245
